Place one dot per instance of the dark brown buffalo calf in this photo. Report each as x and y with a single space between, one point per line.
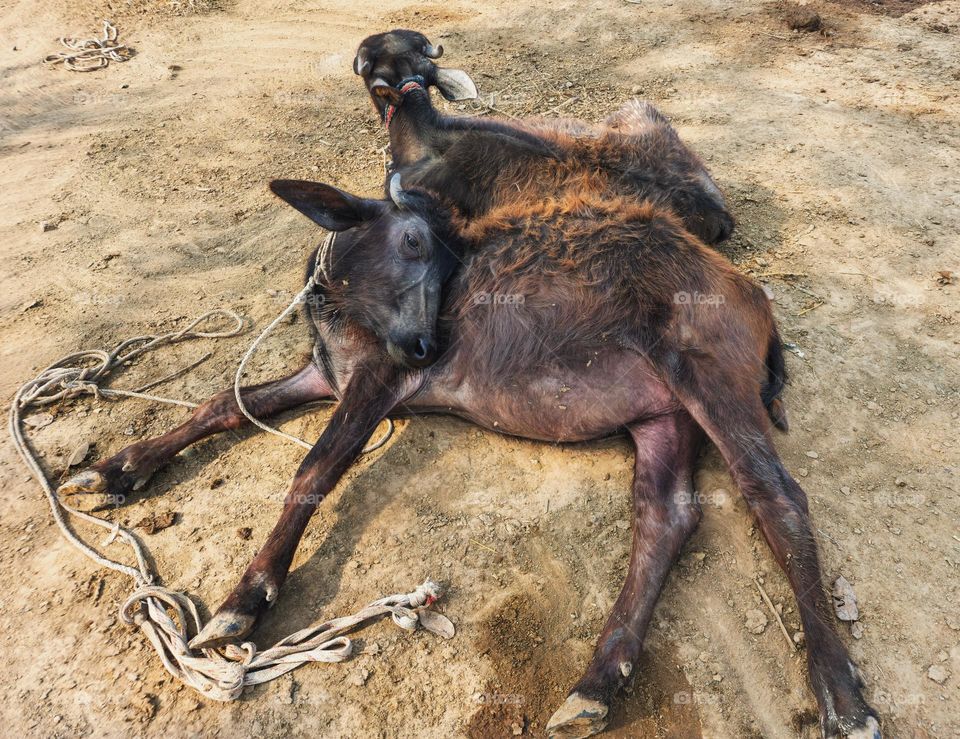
626 316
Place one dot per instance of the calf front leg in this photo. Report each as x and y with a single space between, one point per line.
665 514
111 480
370 395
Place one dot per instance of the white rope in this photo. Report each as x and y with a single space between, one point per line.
318 267
168 617
69 377
89 55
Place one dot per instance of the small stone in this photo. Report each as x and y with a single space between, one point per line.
938 673
856 630
47 226
79 454
845 600
873 406
803 472
38 421
798 637
756 621
813 455
845 490
360 677
516 728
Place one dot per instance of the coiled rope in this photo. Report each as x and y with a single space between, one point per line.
168 617
91 54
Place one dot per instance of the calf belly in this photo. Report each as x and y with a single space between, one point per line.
563 400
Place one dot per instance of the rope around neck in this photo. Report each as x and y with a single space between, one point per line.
168 617
319 268
406 85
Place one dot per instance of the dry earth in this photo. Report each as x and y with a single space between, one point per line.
840 152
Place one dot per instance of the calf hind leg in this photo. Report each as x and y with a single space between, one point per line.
738 425
665 513
111 480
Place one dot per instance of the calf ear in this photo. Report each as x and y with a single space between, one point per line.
455 84
333 209
381 89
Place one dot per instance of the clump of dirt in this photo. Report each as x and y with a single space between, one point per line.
512 635
893 8
802 18
156 522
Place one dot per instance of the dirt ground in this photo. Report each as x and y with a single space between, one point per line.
840 153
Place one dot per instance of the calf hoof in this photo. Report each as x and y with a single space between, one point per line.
225 627
108 483
89 491
579 716
868 729
238 614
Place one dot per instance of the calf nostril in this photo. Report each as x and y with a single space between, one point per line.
421 348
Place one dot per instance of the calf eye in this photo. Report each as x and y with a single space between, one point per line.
411 246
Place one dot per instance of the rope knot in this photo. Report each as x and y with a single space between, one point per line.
426 594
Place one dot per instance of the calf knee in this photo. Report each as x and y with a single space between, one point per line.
220 412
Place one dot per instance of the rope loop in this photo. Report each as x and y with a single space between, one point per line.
89 55
168 617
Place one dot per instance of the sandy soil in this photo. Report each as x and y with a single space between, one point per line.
839 151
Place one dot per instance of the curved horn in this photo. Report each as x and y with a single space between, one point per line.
433 52
397 195
361 64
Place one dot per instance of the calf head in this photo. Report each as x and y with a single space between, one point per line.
389 263
386 59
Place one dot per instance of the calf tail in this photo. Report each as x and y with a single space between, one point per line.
776 380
